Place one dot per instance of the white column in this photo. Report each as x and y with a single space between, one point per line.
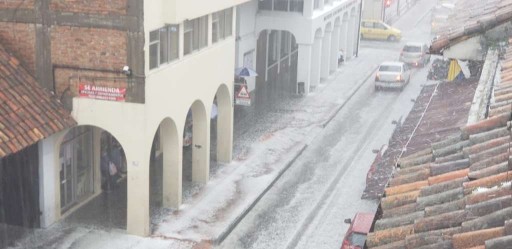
316 61
326 55
351 38
200 146
344 37
138 186
224 128
304 67
335 44
172 159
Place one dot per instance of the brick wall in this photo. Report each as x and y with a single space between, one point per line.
90 48
68 80
12 4
100 49
19 38
90 6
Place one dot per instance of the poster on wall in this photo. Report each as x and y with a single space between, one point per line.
102 92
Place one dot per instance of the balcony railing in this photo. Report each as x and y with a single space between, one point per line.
282 5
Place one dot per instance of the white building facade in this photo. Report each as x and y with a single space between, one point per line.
189 57
308 34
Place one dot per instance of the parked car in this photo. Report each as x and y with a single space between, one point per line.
359 228
393 75
376 29
415 54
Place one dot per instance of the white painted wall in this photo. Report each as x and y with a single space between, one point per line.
466 50
177 11
246 37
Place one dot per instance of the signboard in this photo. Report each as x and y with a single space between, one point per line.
243 97
102 92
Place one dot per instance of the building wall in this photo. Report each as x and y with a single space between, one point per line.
177 11
20 38
247 37
92 6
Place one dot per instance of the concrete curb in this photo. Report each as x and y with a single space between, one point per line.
331 117
224 234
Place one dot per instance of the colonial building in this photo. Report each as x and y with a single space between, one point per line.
295 44
130 71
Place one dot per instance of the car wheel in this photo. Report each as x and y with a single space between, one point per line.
391 38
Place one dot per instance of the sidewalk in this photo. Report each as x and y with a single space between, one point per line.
266 144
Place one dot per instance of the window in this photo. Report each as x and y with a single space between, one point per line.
316 4
222 22
195 34
154 47
282 5
163 45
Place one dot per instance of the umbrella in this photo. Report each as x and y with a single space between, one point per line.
245 72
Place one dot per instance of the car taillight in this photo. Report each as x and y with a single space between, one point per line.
377 77
399 77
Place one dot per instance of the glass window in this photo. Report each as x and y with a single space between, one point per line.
195 34
316 4
296 5
187 37
174 40
281 5
265 5
229 22
154 40
164 45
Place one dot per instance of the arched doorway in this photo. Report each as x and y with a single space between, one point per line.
221 129
276 65
165 170
196 150
92 176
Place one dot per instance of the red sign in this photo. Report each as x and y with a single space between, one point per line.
243 97
102 92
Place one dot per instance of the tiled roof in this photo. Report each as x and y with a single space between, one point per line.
458 192
28 113
469 18
443 115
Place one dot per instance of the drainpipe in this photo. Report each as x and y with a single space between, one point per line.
359 27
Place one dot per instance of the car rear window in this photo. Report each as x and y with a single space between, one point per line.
390 68
412 49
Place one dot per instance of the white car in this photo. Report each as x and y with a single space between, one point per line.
415 54
393 75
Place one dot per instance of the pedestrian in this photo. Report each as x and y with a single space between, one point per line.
105 171
117 156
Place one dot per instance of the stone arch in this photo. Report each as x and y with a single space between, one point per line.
223 123
83 170
351 34
200 143
335 44
168 173
316 58
326 52
344 33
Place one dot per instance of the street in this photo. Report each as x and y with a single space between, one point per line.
307 205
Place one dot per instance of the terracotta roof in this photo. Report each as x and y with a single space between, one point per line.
28 112
448 110
470 18
443 206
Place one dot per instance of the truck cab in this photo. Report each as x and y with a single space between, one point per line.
360 226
